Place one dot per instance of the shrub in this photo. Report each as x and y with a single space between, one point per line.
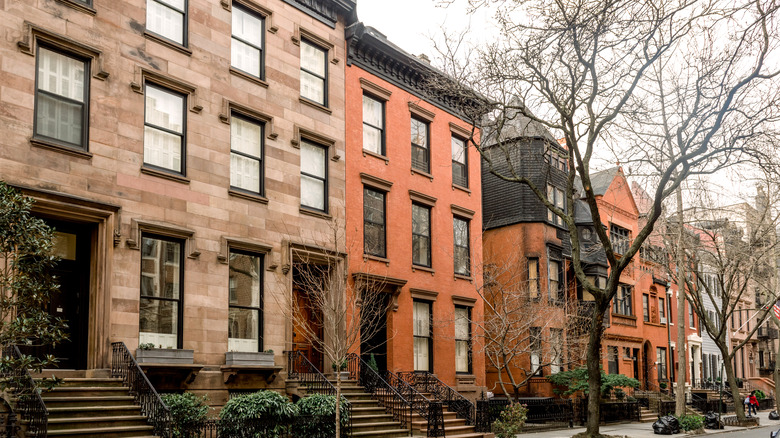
690 422
323 410
268 406
577 380
511 421
187 413
760 395
372 363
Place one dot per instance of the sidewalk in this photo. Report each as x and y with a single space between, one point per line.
641 430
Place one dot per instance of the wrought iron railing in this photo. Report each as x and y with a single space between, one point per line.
612 412
29 403
320 426
394 403
426 382
300 367
124 366
428 410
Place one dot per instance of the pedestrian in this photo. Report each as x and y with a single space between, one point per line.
747 406
754 402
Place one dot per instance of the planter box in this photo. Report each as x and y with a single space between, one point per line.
164 355
249 359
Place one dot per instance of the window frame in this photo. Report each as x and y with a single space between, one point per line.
426 147
621 305
429 336
84 146
249 11
428 237
613 358
620 237
382 131
325 179
535 347
645 308
180 300
184 28
559 294
324 78
660 357
468 342
691 320
261 159
464 165
557 197
183 135
455 246
533 292
261 292
383 224
662 317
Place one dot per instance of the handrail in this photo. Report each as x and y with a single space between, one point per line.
29 401
383 392
429 410
300 367
124 365
451 398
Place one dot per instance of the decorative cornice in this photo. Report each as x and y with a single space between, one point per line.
326 11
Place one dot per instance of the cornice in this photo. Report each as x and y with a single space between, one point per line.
326 11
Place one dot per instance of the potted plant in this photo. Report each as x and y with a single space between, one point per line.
248 358
148 353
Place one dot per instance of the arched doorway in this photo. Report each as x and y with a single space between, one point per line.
647 354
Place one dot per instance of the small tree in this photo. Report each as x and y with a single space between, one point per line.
26 285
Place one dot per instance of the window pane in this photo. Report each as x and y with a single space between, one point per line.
246 136
162 149
244 324
246 277
159 322
421 361
461 356
419 133
461 323
372 139
312 159
420 220
422 319
312 87
59 119
372 112
461 232
421 248
245 57
312 59
312 192
244 173
458 150
164 109
166 21
248 27
60 75
462 261
178 4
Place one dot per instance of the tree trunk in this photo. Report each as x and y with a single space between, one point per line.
594 373
682 350
739 408
338 402
776 374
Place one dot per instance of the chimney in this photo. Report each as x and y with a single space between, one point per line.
424 58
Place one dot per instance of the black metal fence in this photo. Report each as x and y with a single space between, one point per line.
767 403
611 412
542 413
705 406
29 403
302 426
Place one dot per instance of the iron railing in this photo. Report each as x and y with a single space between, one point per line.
424 381
124 366
430 411
300 367
300 426
29 402
612 412
542 413
394 403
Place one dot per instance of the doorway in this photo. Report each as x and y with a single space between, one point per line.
648 363
373 329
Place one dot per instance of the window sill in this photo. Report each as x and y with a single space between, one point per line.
420 172
464 277
384 260
70 150
79 6
423 268
315 105
246 195
166 42
248 77
375 155
313 213
166 175
461 188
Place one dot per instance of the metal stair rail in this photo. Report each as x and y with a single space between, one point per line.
300 367
383 392
29 402
124 366
426 382
429 410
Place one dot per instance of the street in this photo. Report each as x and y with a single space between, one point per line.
762 432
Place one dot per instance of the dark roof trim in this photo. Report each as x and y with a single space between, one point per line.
326 11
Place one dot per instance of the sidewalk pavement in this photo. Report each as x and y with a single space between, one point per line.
642 430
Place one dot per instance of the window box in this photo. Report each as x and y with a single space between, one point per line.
243 358
165 355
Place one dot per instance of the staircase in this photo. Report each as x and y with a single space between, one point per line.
454 427
93 407
646 415
369 418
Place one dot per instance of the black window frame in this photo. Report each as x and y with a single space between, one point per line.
426 147
324 79
246 118
261 293
84 145
383 144
558 199
421 236
183 134
467 224
645 308
558 295
383 224
468 342
623 303
326 178
430 333
620 238
691 320
613 359
464 181
660 354
662 316
180 300
249 11
185 23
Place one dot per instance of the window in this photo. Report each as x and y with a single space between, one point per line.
246 47
535 344
662 310
660 359
691 321
61 98
168 19
739 313
623 303
420 156
533 278
461 251
245 313
598 281
314 176
246 155
460 170
164 129
462 340
619 237
555 280
555 196
421 235
612 361
423 344
314 69
556 339
373 125
374 231
161 291
645 308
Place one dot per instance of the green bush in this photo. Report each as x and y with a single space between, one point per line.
372 363
577 380
690 422
760 395
269 406
511 421
187 413
323 408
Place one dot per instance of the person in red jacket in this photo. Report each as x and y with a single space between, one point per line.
754 402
